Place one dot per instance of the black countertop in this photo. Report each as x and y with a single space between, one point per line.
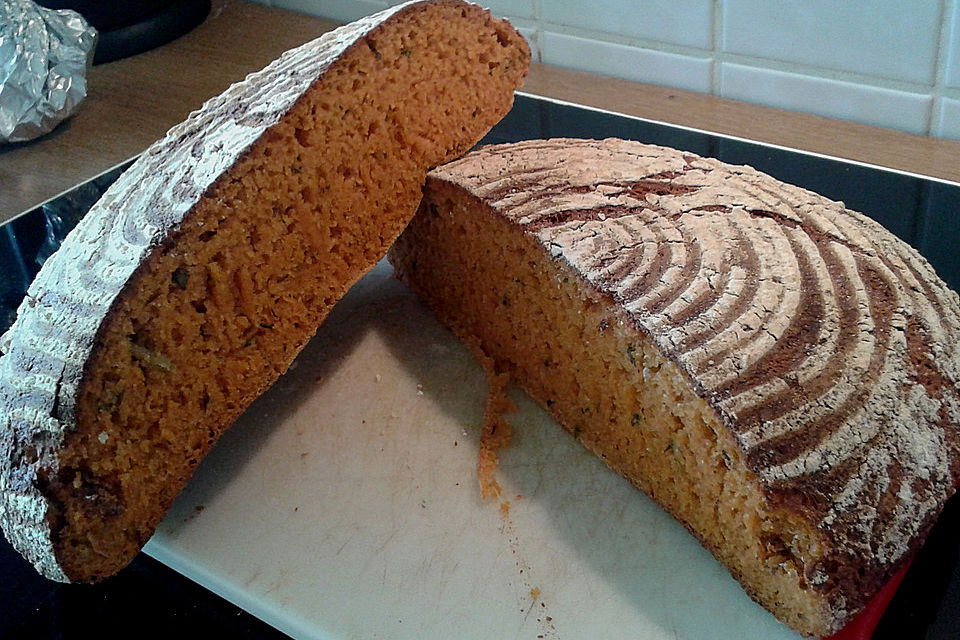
147 599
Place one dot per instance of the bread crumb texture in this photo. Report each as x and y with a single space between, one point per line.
195 281
780 373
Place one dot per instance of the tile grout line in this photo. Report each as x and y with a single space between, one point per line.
538 29
948 7
716 42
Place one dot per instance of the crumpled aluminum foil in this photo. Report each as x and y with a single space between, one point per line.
44 57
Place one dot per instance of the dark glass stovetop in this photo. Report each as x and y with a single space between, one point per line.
150 600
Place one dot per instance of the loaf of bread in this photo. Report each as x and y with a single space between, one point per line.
778 372
197 278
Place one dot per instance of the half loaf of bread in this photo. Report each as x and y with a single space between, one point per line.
197 278
777 371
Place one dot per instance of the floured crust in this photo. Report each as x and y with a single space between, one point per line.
826 346
49 346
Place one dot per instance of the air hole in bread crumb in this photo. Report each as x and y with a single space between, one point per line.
303 137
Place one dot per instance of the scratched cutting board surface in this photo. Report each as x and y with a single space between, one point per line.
344 504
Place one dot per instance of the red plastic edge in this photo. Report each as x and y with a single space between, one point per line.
863 625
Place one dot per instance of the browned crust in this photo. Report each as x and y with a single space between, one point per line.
827 346
135 227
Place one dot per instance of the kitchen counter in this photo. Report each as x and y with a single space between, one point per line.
133 102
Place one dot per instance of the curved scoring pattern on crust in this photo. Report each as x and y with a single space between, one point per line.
826 345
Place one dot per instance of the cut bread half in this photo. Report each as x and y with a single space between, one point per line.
198 277
779 372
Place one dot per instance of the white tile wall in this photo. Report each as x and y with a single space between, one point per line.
835 99
948 122
683 22
630 63
952 44
882 39
883 62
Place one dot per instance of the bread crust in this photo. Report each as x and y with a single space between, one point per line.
826 346
50 346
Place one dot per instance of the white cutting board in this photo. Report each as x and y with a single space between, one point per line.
344 505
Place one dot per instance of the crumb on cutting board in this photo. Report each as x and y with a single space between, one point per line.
496 430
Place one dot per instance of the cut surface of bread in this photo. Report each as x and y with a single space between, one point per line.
194 282
778 372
